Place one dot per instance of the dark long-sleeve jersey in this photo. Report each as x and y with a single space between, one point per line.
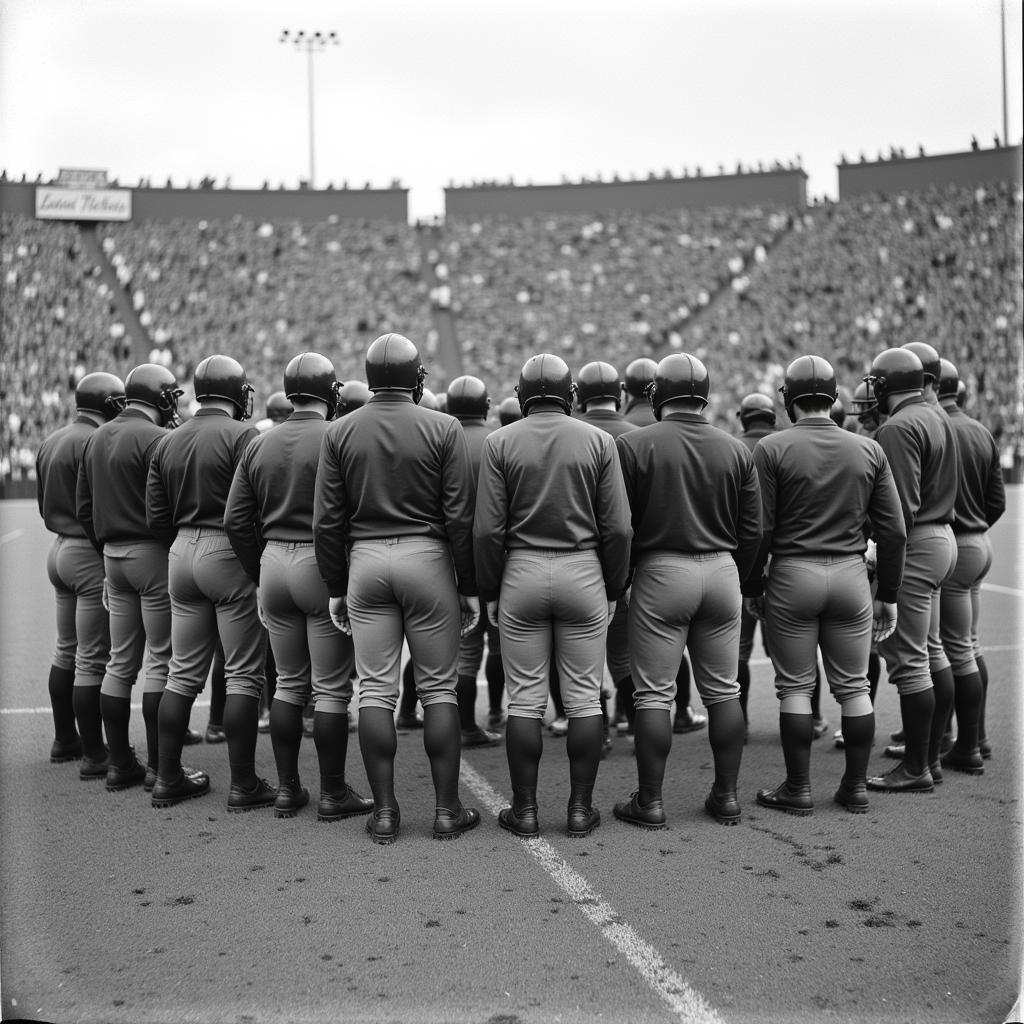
57 464
191 473
692 489
552 483
820 487
639 412
476 430
111 493
271 496
392 469
754 433
980 495
919 444
608 420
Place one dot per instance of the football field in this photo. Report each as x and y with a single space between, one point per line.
113 911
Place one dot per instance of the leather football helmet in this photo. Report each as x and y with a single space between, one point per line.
678 375
102 393
929 360
311 375
509 411
894 371
545 376
223 377
598 380
807 376
154 385
756 406
467 396
393 362
353 394
949 379
278 407
639 375
864 398
961 394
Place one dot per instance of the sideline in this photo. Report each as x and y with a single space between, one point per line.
997 589
13 535
688 1005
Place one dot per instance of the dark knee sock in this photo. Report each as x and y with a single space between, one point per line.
173 716
286 737
270 671
443 743
816 693
583 745
409 695
917 711
797 734
944 689
604 711
330 737
624 690
61 686
116 713
983 672
652 728
874 672
726 733
523 746
465 694
556 692
241 727
494 670
151 718
218 692
683 685
858 735
378 742
743 678
968 705
86 700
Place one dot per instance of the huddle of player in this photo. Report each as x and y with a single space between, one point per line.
573 536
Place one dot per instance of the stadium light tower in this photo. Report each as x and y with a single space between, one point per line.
311 43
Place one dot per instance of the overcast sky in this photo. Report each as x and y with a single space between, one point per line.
430 91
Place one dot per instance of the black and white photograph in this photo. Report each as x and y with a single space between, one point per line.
511 513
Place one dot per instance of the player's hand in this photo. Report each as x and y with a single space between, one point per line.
611 610
105 597
259 611
492 612
754 606
470 609
338 607
871 559
885 621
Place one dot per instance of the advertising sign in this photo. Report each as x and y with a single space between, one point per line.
83 204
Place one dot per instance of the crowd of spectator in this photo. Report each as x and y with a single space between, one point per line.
942 266
744 289
266 291
58 321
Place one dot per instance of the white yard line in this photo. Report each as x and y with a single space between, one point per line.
997 589
13 535
688 1005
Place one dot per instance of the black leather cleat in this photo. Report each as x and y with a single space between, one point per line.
899 780
150 780
346 804
449 824
985 748
897 751
581 820
215 734
90 769
191 738
688 720
188 785
290 800
262 794
724 808
383 825
522 823
62 751
650 815
853 798
125 776
480 738
787 798
936 769
959 761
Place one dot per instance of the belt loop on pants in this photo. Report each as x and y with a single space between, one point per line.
202 531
